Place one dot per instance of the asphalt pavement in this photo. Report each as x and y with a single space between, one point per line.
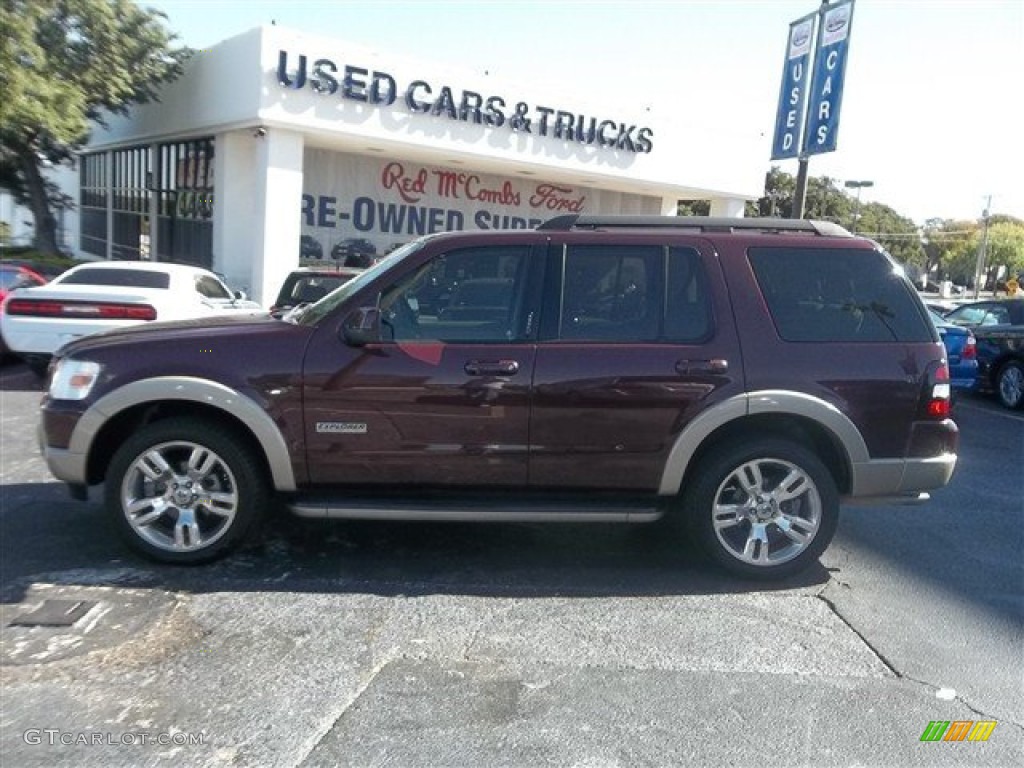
391 644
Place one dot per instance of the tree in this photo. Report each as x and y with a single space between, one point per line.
693 208
1004 256
64 65
897 234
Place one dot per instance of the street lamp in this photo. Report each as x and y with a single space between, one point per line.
858 185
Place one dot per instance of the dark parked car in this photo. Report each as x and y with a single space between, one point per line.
739 378
1001 362
990 312
354 252
961 352
306 285
310 249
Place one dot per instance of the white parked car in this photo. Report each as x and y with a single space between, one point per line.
100 296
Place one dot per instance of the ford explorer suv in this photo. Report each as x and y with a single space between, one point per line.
738 379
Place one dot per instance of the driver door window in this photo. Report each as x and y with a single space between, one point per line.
473 294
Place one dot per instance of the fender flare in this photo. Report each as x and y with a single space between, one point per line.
190 389
769 401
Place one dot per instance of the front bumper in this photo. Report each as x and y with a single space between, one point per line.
64 464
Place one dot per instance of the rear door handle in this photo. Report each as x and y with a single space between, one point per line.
715 365
492 367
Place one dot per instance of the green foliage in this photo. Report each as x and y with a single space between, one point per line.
953 246
65 63
693 208
946 250
897 234
1005 245
57 262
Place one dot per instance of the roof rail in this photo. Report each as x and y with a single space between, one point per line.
701 223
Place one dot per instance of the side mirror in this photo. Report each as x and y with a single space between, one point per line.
362 327
241 295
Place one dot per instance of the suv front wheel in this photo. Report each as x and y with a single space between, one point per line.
763 510
183 490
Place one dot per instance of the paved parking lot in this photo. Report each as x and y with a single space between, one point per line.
515 645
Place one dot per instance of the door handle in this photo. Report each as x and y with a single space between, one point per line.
492 367
716 365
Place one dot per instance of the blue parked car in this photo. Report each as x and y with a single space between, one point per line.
961 351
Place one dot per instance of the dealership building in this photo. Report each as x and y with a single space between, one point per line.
275 146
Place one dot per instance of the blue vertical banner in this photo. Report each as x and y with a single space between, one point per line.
796 75
826 97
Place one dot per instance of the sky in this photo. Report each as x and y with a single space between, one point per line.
933 105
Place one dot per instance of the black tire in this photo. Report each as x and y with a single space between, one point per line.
218 502
775 554
1010 384
38 364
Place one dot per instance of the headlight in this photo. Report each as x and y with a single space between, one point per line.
74 379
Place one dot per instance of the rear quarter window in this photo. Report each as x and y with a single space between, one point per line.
131 278
838 295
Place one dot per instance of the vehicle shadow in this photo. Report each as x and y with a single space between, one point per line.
16 377
48 538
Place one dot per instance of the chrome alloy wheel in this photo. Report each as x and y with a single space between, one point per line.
767 511
179 496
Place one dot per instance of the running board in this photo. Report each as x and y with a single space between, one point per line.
456 510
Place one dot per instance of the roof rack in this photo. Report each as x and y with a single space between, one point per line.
701 223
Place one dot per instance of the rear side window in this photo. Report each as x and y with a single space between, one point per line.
822 295
131 278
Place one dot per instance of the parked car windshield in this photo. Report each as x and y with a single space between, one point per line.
313 313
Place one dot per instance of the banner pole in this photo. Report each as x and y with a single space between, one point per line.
800 194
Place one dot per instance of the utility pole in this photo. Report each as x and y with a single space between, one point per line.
980 266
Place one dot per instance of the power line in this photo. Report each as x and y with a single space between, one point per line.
919 235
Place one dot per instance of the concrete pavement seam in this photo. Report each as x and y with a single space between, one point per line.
322 733
892 668
878 654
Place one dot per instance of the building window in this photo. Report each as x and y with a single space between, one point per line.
185 199
130 194
94 197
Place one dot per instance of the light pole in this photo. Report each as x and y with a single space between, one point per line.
858 185
979 268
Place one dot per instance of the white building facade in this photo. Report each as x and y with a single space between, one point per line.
276 146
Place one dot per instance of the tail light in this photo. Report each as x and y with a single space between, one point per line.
970 350
937 403
100 310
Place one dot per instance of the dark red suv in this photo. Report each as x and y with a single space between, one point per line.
737 377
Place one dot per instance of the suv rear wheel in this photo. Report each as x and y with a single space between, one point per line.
183 490
763 510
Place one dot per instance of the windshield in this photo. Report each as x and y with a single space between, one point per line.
311 314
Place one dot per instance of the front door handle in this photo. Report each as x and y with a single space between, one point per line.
716 365
492 367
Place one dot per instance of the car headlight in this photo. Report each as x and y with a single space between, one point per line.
74 379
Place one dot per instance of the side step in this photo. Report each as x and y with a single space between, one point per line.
478 509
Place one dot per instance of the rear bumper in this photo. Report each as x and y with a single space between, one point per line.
900 479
